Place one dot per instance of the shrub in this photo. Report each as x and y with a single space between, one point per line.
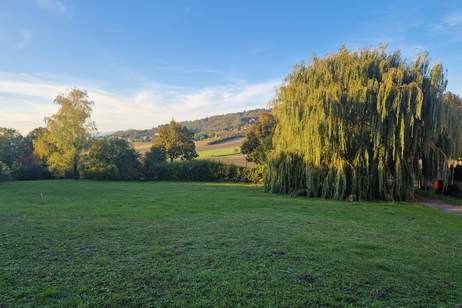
113 159
197 170
102 172
4 172
154 156
30 172
255 174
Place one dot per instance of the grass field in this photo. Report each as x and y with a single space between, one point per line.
198 244
219 152
227 152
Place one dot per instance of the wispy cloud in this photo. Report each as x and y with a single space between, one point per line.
25 100
453 20
55 6
259 50
15 39
450 24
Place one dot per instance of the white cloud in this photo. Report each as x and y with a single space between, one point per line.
25 100
450 24
453 20
55 6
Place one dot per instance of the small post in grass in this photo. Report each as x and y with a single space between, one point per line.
42 199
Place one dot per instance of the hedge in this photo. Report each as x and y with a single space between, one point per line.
202 171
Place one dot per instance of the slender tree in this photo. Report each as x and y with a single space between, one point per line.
67 133
363 125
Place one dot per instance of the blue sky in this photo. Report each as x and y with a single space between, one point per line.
144 62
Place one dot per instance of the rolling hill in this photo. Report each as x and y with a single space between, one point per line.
215 127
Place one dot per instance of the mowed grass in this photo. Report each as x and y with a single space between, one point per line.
232 150
198 244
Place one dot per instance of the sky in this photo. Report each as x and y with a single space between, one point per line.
146 62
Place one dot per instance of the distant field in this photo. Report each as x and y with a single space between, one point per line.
158 244
203 146
142 147
218 152
227 152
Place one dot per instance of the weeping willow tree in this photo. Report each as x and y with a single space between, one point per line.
363 125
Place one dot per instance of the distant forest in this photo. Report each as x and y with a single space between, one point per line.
215 127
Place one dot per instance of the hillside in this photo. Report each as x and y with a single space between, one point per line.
219 126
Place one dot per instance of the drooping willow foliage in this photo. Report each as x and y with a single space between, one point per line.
363 125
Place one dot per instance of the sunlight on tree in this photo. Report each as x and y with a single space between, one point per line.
363 125
176 141
67 133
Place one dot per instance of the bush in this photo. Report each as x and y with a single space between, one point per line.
4 172
154 156
113 159
197 170
102 172
255 174
30 172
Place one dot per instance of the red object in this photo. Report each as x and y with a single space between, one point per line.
436 185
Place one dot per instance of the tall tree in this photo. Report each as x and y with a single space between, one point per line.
67 133
363 125
258 141
176 141
10 145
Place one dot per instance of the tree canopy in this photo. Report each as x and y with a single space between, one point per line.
258 140
11 145
176 141
154 156
67 133
111 159
363 125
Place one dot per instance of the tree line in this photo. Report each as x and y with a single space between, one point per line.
355 125
67 147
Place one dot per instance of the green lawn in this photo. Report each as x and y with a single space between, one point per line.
232 150
190 244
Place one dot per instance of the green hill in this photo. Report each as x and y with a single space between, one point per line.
218 127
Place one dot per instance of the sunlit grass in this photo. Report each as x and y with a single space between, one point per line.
197 244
